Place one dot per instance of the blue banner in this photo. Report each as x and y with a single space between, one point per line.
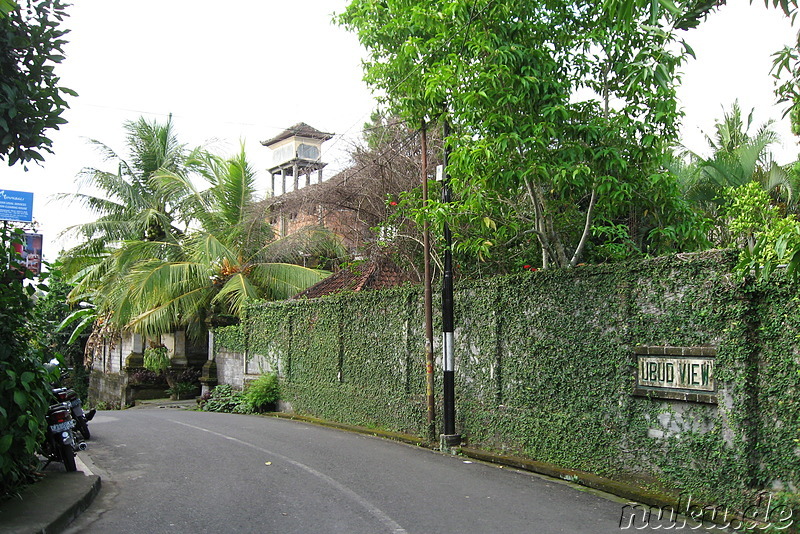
16 206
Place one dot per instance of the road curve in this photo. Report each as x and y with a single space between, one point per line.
180 471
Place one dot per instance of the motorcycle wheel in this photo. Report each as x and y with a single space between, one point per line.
83 428
68 458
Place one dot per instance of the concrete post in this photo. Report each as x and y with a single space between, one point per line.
208 378
176 344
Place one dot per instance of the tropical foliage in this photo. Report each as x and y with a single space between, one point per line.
24 380
170 254
54 341
738 158
231 257
127 204
538 173
31 98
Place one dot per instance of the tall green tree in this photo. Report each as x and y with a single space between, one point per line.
530 158
126 203
31 97
685 14
228 257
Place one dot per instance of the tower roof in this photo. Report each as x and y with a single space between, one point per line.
300 129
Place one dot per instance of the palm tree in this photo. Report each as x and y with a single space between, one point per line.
738 158
128 206
227 258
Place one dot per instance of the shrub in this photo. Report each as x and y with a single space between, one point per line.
262 393
145 376
226 399
24 380
189 375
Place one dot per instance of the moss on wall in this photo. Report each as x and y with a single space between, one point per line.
544 369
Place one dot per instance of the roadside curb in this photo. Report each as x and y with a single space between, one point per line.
635 494
589 480
396 436
50 505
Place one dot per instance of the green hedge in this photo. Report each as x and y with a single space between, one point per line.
544 369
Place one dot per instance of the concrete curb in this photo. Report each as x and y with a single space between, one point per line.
396 436
49 505
589 480
656 500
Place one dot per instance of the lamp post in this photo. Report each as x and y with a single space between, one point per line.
449 439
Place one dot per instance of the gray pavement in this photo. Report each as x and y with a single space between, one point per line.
50 505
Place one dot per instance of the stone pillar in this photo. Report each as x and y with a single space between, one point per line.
208 377
136 357
283 180
176 344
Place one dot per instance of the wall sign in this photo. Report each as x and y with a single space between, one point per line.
16 206
678 373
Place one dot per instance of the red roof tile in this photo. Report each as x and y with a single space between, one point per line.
376 274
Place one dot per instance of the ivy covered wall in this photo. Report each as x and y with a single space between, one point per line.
545 369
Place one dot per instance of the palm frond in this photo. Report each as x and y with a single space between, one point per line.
284 280
182 288
207 248
178 312
779 182
154 146
235 293
237 188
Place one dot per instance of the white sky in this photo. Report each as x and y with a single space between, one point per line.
247 69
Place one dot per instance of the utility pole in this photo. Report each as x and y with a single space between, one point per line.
449 439
426 244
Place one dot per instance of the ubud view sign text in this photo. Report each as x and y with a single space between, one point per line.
681 373
16 206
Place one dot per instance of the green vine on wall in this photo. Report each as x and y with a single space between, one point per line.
545 368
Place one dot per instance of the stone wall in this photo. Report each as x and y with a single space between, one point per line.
115 362
106 388
546 368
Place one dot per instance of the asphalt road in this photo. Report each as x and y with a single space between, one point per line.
178 471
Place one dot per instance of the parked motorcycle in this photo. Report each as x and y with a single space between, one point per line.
68 396
60 441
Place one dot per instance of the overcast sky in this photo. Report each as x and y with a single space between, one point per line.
247 69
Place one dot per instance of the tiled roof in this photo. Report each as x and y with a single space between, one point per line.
300 129
376 274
